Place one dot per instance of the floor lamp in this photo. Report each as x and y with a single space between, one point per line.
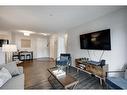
9 49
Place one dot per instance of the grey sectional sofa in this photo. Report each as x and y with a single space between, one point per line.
16 82
117 82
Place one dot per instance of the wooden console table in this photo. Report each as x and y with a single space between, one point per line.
24 54
97 71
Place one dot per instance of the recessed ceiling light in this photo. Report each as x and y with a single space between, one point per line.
26 32
45 34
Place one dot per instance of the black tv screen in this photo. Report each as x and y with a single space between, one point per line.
99 40
3 41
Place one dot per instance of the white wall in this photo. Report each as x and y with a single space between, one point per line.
61 48
18 38
42 48
117 22
53 46
38 44
58 44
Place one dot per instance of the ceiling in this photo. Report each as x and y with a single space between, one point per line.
49 18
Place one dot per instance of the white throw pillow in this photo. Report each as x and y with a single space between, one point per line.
12 68
4 76
125 74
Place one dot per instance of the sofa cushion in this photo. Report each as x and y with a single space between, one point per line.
16 82
12 68
117 82
4 76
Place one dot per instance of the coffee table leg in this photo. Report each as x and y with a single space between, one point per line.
71 86
50 81
49 78
75 86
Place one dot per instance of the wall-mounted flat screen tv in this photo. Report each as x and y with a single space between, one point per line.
3 41
99 40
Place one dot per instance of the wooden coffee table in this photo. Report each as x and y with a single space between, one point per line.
66 82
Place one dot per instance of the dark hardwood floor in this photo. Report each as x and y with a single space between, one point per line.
36 73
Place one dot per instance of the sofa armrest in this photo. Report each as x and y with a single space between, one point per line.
116 83
119 73
20 69
115 71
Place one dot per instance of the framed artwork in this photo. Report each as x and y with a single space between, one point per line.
25 43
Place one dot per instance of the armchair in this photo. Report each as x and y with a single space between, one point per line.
117 82
64 60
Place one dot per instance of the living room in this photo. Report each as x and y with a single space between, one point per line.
63 36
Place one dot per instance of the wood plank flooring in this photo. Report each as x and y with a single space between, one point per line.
36 75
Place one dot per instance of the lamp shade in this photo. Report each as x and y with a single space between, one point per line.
9 48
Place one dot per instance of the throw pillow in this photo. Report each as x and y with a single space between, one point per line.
125 74
4 76
12 68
